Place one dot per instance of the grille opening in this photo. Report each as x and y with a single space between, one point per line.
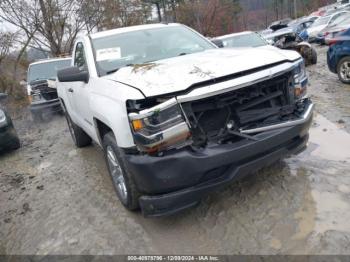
46 92
264 103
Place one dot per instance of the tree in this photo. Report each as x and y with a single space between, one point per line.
7 41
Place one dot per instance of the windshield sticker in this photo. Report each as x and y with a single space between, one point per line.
108 54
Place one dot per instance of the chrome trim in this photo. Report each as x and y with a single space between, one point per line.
238 83
170 120
150 111
166 134
306 116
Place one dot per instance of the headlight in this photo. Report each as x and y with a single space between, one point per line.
300 80
161 127
3 121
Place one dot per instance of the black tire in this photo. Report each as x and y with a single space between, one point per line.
341 75
131 200
16 144
80 138
37 117
313 56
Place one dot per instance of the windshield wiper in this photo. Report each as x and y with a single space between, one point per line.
112 71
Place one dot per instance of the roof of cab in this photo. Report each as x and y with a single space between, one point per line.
130 29
48 60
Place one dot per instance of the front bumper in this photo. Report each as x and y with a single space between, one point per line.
46 106
179 179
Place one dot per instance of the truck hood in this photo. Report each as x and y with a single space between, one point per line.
179 73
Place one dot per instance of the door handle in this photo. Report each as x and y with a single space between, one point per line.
70 90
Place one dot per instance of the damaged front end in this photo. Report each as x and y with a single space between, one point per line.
224 118
43 97
208 138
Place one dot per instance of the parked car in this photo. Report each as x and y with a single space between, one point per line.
322 23
289 40
41 86
243 39
178 117
331 31
301 24
8 136
338 56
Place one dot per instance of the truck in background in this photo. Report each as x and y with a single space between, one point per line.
41 86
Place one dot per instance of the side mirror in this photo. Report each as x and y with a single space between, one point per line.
3 96
218 43
73 74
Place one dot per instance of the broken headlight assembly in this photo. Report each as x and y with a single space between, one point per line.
3 120
160 128
300 80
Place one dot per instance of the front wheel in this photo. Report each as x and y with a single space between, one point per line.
121 176
343 70
313 56
16 144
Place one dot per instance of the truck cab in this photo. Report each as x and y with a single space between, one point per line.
178 117
41 86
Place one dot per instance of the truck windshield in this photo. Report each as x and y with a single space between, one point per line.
246 40
46 70
144 46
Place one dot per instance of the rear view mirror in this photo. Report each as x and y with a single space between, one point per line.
73 74
218 43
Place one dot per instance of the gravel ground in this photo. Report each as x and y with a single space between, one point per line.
56 199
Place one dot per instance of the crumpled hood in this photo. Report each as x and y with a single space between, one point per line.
179 73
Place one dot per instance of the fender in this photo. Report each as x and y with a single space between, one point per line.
108 105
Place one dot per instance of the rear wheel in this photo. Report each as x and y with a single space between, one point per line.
121 176
343 70
80 138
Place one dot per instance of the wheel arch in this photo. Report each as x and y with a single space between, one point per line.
339 58
102 129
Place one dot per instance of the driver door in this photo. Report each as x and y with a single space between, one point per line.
79 93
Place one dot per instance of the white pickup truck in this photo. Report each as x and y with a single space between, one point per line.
178 117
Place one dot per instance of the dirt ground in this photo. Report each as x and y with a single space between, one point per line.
56 199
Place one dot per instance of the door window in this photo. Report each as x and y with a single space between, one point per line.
79 57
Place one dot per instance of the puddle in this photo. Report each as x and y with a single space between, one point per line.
332 142
325 207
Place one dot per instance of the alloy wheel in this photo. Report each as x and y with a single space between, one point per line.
117 174
345 71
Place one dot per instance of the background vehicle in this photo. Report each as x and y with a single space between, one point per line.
338 56
243 39
329 32
287 39
8 136
41 86
322 23
162 98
